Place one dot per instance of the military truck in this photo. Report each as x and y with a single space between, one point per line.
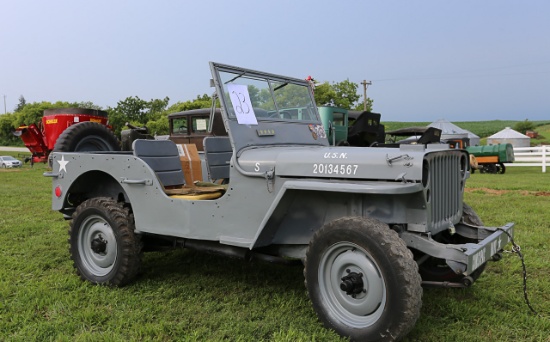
371 225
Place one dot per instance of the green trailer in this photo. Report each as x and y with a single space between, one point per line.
491 158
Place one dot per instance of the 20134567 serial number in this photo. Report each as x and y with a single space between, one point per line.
335 169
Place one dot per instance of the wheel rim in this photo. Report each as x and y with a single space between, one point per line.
356 310
97 245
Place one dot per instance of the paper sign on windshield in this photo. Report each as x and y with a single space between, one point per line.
240 99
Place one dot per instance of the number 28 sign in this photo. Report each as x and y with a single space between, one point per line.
240 99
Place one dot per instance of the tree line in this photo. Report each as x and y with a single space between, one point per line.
153 114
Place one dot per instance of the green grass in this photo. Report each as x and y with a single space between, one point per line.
543 137
189 296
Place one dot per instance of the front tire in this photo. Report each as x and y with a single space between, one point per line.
362 280
103 245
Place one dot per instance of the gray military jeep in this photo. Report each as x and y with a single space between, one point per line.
370 224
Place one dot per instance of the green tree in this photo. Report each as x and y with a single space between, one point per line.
324 94
87 105
159 124
6 129
361 107
342 94
33 112
202 101
346 94
524 126
21 104
136 111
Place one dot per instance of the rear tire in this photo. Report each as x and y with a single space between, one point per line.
362 280
103 245
86 137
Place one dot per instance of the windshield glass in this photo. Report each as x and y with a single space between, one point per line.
266 99
9 158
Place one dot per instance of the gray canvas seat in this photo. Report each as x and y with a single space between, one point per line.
217 153
163 157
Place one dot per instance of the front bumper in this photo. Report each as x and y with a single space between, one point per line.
464 258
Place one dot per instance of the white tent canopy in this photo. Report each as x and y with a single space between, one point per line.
509 136
449 129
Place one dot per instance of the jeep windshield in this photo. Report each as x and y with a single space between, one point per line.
267 98
262 109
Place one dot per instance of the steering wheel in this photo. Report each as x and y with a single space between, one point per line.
286 115
283 115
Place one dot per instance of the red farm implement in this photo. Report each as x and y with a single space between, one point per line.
68 129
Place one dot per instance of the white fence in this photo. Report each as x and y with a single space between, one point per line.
532 156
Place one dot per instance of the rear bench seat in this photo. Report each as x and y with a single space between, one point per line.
163 157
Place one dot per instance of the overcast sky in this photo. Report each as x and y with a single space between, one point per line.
427 60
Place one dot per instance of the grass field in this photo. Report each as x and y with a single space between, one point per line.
188 296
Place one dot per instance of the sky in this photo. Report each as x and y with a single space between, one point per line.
427 60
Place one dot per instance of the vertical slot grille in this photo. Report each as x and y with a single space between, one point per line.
445 186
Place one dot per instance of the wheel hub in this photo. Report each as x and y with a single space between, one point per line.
99 245
352 284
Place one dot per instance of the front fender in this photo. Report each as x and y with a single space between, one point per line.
367 188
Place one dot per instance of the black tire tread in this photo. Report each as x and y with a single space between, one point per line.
403 264
469 216
68 139
130 256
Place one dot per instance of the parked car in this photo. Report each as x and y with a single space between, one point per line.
8 161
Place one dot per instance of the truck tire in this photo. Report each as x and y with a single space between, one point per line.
102 242
437 270
86 137
362 280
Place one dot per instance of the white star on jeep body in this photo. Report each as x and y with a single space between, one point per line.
63 164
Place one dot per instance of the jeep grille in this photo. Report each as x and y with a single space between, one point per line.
443 179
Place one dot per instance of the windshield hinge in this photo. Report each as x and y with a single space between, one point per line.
270 179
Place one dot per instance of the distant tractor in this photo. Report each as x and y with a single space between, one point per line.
491 158
68 130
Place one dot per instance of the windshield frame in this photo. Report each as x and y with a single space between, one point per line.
306 111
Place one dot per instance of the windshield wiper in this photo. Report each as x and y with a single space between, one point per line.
280 86
234 78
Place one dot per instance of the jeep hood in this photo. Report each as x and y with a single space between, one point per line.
403 163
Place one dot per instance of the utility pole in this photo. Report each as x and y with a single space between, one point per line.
5 104
365 86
